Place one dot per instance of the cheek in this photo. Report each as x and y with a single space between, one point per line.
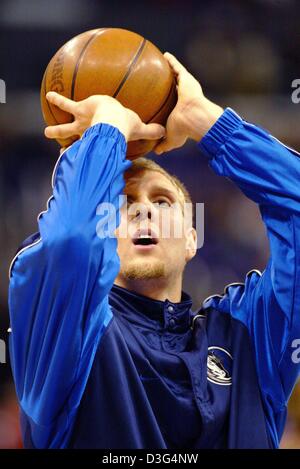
122 245
174 227
174 249
121 231
181 246
175 255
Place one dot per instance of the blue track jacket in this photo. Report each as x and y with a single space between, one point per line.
98 366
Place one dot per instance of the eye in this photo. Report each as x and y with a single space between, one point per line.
163 203
129 201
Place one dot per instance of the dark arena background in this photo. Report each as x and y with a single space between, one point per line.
246 55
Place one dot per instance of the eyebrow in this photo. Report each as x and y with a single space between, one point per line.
158 190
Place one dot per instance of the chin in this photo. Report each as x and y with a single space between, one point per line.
143 270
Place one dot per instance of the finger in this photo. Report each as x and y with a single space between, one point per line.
151 132
161 147
176 66
62 102
61 131
169 144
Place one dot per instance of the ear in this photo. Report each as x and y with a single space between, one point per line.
191 244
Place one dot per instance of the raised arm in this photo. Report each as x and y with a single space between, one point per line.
268 304
267 172
60 281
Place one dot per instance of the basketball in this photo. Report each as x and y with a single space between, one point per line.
113 62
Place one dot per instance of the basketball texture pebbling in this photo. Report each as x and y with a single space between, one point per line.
113 62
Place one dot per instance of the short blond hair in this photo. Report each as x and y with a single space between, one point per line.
144 164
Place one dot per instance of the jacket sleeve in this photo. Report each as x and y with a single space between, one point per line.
267 172
59 285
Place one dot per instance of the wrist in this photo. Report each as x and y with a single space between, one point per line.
204 115
119 123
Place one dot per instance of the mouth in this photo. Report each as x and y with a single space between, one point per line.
145 238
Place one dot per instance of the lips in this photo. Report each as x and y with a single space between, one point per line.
145 237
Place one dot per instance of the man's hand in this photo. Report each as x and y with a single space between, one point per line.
100 109
193 114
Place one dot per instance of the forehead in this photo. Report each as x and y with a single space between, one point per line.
147 181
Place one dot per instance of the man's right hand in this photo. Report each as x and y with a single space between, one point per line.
193 114
100 109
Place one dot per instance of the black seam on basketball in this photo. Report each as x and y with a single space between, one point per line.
131 66
80 58
162 106
48 104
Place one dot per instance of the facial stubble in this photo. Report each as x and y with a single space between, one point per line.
143 270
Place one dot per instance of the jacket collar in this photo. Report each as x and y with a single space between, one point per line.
142 310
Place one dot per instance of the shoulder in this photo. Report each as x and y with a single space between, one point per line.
235 297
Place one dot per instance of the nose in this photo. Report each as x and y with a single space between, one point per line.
143 211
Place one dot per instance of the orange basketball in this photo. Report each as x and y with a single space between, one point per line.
114 62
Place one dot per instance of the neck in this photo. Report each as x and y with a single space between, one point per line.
156 289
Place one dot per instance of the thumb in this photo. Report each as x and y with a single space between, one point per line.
149 132
169 144
174 63
162 147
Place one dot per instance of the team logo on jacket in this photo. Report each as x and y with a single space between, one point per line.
219 366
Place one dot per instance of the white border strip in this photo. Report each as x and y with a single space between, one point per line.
217 295
53 177
196 317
